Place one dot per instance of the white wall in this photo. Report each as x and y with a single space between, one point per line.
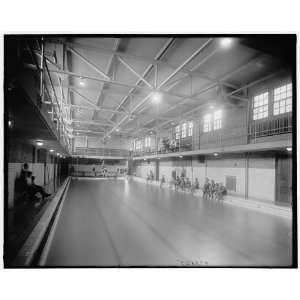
218 169
261 173
262 178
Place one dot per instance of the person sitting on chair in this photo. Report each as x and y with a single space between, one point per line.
34 190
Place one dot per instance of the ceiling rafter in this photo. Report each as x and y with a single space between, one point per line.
114 82
134 72
89 63
108 69
211 86
153 62
188 60
166 45
264 78
73 106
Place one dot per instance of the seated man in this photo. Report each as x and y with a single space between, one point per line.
36 192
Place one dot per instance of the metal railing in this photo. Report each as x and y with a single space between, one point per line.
269 127
227 137
101 152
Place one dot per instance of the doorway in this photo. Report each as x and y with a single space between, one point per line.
284 180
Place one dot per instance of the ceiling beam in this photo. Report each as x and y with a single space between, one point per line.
166 45
211 86
90 123
153 62
226 95
89 63
134 72
73 106
86 99
114 82
187 61
197 52
100 98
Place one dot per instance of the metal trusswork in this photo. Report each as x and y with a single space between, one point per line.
211 86
187 61
92 65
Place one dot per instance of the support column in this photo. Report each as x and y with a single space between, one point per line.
247 176
157 170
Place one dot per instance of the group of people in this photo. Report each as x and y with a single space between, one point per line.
213 190
185 184
182 182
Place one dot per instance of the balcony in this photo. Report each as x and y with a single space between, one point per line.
102 152
270 127
270 130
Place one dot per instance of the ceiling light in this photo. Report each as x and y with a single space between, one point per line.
58 154
10 124
216 154
81 82
289 149
180 156
51 150
156 97
226 42
117 130
39 143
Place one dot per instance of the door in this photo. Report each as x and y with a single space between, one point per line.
284 180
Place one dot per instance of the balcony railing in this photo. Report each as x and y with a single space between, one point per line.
102 152
262 128
226 137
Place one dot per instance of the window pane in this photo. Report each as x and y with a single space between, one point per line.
288 108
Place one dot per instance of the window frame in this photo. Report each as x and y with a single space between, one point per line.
177 132
277 102
190 128
261 109
207 123
183 130
217 122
